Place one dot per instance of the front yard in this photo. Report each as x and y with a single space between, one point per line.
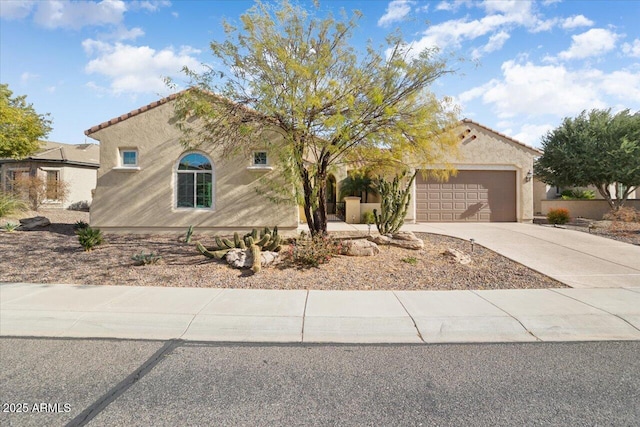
53 255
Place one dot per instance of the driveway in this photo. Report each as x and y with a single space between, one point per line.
578 259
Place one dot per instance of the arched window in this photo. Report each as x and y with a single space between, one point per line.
194 182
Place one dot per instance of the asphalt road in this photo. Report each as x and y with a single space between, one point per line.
130 383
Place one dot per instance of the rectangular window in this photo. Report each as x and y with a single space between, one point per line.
11 177
53 185
260 158
185 190
128 158
194 190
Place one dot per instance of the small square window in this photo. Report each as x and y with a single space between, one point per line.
129 158
260 158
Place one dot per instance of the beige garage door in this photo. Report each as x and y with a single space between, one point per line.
471 196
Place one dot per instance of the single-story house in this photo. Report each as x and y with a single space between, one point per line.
148 182
75 165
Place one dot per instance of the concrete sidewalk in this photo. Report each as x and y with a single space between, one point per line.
319 316
577 259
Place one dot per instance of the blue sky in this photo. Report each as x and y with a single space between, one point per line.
527 64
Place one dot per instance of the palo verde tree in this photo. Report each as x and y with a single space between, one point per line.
289 71
21 127
595 148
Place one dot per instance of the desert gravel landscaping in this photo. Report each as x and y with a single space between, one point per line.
53 255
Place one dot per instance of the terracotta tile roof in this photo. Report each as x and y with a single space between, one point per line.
502 135
133 113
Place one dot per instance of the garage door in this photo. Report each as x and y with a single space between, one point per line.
471 196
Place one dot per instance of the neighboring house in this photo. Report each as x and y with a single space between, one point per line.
148 182
75 165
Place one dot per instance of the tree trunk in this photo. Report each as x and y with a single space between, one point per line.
316 218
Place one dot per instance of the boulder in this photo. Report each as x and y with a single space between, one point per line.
457 256
359 247
242 258
33 223
402 239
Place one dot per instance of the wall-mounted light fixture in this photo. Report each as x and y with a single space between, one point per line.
529 176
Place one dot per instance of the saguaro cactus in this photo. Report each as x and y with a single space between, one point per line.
393 204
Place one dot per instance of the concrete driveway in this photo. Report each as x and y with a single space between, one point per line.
578 259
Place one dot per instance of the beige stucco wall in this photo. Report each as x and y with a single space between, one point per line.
81 182
490 151
145 200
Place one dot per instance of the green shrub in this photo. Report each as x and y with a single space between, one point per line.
558 216
10 204
311 251
578 194
10 227
89 237
368 218
146 259
79 225
410 260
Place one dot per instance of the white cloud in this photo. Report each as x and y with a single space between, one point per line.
576 21
122 33
396 11
495 42
531 134
632 49
27 76
594 42
502 17
61 14
54 14
533 90
149 5
16 9
137 69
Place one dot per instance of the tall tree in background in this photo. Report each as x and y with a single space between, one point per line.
595 148
21 127
287 70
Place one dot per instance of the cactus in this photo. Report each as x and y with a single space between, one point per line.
268 240
257 259
217 254
393 205
187 239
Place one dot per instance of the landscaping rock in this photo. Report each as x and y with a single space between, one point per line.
33 223
403 239
359 247
457 256
242 258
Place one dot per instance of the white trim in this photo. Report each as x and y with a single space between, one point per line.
260 168
126 168
121 152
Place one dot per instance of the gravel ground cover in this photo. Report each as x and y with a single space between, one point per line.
53 255
628 232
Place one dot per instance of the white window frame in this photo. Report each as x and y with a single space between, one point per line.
121 163
260 166
176 172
